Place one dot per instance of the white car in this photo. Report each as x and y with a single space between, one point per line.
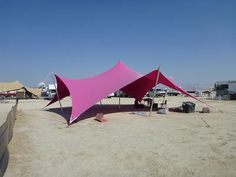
111 95
158 92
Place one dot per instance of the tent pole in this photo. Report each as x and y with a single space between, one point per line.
154 93
57 93
119 99
4 90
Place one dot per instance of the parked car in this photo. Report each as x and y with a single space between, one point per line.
172 92
157 92
51 93
111 95
48 91
119 93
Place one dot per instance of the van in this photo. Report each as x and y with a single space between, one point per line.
51 92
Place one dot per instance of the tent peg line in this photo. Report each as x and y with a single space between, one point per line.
154 93
207 125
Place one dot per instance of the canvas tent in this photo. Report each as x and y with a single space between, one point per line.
86 92
16 85
6 86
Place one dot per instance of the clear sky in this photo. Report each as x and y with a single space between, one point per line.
193 41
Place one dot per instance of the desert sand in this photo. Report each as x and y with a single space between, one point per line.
129 144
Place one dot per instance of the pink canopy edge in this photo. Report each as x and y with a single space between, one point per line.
141 86
86 92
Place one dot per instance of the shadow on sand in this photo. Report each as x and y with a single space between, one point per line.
91 112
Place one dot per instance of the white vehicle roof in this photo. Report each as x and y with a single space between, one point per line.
52 86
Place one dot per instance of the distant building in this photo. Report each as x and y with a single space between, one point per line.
226 90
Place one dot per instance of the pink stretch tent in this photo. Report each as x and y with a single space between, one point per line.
141 86
86 92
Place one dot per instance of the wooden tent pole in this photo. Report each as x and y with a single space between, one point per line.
57 93
154 93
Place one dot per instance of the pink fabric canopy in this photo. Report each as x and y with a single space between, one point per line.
86 92
141 86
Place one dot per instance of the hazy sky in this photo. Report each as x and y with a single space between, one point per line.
194 42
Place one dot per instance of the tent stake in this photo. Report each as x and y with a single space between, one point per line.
57 94
154 93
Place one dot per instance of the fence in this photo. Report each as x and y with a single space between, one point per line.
6 133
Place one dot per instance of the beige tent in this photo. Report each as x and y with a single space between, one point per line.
35 91
6 86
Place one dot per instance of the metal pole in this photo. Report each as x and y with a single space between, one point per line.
154 93
119 99
57 93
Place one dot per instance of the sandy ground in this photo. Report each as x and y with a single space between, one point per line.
127 145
